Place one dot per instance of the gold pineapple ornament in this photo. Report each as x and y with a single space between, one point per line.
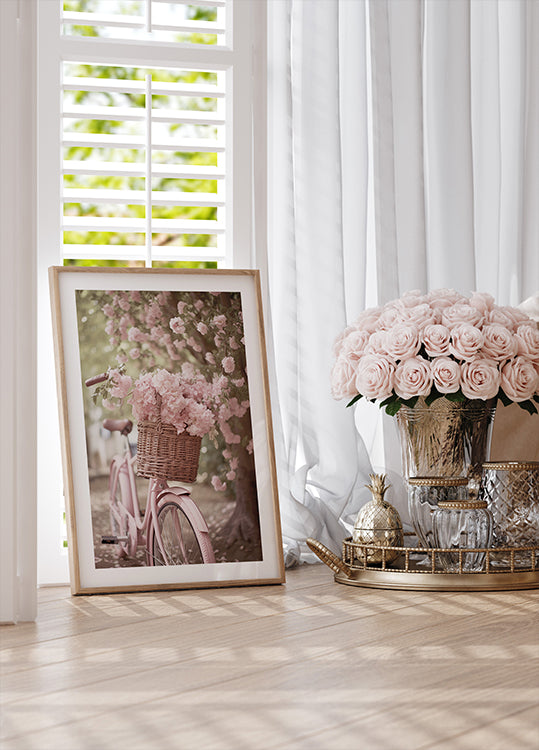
378 524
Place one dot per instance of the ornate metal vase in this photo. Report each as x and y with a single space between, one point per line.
445 439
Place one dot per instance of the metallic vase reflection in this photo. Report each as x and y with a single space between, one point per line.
445 439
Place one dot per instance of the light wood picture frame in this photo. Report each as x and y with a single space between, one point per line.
167 439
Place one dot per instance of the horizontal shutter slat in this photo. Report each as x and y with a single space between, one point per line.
138 22
72 83
138 252
201 3
96 140
129 169
129 224
199 117
137 197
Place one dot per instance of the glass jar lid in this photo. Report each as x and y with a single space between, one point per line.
462 504
510 465
438 481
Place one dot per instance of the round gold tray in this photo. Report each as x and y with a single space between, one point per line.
417 568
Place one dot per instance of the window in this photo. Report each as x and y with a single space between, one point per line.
145 156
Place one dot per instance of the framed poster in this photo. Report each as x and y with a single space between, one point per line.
167 441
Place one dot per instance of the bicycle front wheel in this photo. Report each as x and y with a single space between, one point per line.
180 544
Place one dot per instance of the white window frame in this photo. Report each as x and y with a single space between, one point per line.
243 60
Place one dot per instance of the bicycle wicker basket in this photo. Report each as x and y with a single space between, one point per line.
164 454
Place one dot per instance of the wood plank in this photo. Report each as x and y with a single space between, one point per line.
310 664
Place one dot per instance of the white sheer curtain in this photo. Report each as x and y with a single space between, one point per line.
450 90
317 252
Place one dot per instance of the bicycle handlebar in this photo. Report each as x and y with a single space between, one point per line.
97 379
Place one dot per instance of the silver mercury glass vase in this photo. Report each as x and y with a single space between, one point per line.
445 439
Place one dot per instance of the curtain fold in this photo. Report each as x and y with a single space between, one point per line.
323 464
424 115
448 146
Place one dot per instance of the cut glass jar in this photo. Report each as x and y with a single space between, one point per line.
460 526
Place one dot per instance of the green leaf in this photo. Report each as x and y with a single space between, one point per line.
536 398
410 402
393 407
457 397
433 395
506 401
387 401
528 406
354 400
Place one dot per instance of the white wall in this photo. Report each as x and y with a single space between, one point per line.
18 599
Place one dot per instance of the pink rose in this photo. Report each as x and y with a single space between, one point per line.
519 379
219 321
121 386
527 338
499 342
374 377
510 317
355 343
343 378
368 319
518 315
410 299
445 374
377 343
480 378
436 339
439 299
461 313
483 302
390 317
421 315
218 485
403 341
413 377
339 341
177 325
135 334
466 340
134 353
228 365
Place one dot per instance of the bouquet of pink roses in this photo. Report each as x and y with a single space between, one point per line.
435 345
185 400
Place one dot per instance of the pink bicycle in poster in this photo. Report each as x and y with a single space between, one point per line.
171 528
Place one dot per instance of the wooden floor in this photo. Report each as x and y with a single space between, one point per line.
310 664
